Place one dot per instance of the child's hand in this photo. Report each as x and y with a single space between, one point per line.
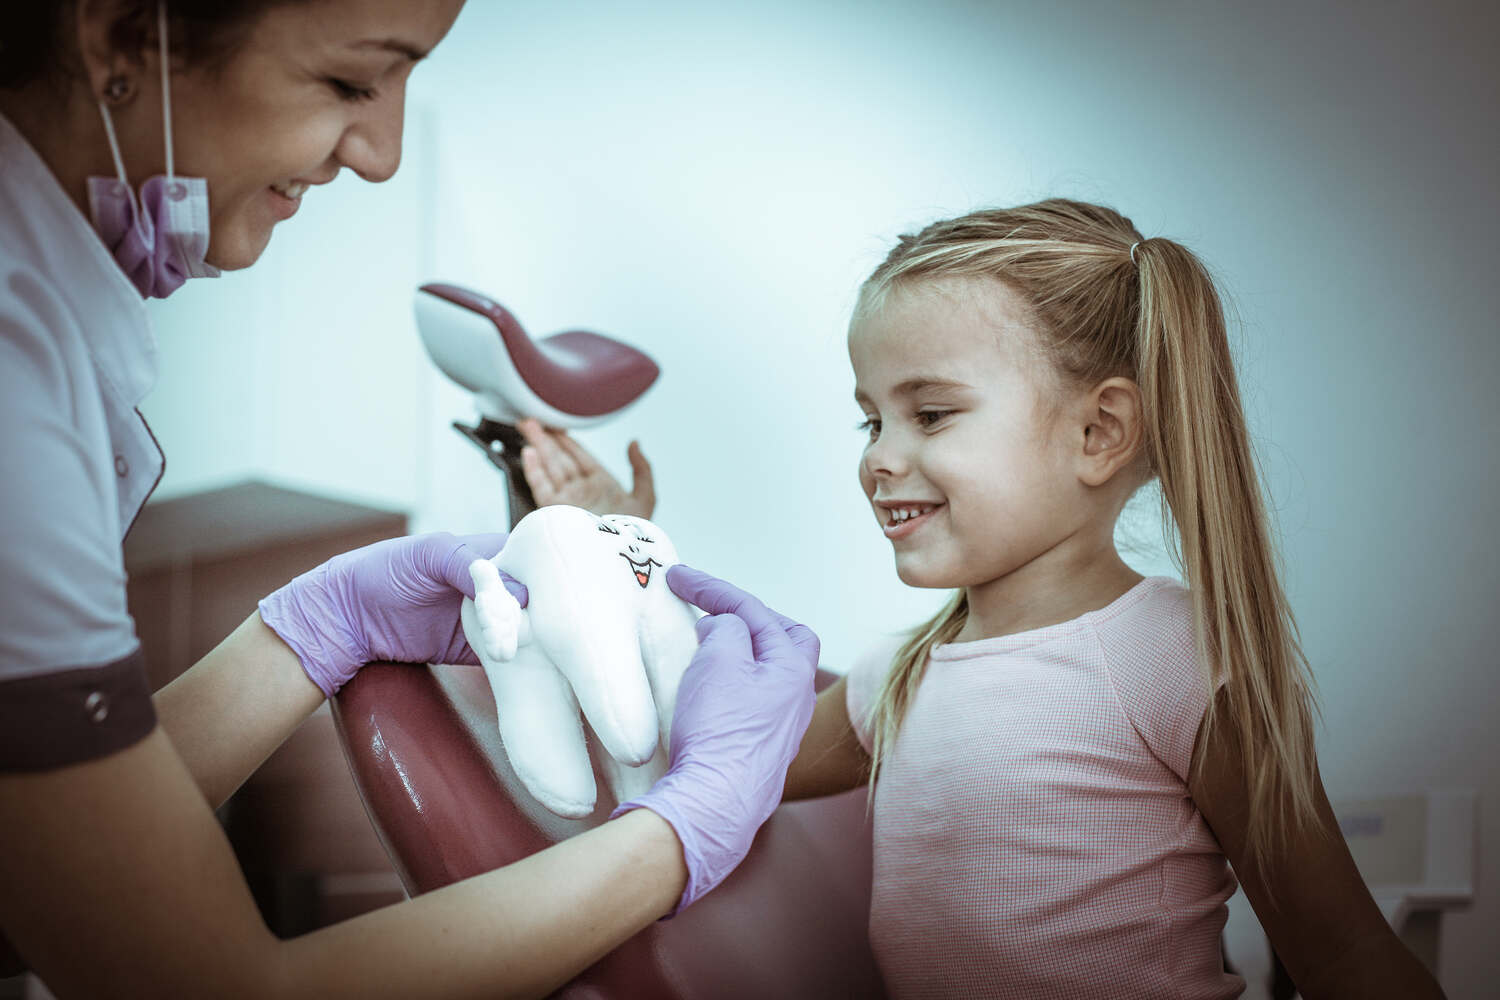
560 470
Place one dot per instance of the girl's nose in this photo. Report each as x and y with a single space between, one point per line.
884 458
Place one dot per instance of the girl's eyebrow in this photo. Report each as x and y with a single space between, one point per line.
919 383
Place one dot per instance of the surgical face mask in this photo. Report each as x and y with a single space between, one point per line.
160 240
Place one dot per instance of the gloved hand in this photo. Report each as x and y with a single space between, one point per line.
393 600
742 708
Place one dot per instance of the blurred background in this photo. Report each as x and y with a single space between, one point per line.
711 183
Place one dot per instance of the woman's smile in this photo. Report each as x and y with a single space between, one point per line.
283 205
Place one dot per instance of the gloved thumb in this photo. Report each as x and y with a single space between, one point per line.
489 546
804 638
465 551
724 636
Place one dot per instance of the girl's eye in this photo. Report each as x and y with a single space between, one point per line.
928 418
351 92
869 426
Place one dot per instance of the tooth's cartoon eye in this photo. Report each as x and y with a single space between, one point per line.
640 537
607 527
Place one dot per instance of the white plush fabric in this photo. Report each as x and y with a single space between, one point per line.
601 631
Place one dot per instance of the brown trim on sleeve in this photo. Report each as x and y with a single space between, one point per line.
70 716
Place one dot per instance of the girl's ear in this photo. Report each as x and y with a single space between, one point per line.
1113 430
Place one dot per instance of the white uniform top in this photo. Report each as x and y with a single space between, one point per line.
77 462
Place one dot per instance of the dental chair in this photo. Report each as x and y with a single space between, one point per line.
425 751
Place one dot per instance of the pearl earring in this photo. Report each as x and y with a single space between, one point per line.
116 89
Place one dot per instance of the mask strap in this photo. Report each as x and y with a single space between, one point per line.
114 151
114 144
166 84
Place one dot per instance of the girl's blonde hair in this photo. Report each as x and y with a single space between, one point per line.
1112 303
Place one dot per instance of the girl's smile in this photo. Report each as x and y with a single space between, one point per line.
903 517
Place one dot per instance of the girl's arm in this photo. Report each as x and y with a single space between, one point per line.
830 759
120 883
1312 901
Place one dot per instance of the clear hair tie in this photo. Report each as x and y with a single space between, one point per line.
1132 253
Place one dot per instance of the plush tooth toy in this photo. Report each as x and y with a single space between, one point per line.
601 631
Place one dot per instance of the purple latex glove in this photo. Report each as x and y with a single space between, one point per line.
393 600
742 708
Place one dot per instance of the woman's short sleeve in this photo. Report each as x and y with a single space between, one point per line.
72 679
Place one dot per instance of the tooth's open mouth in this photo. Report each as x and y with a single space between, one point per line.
294 190
642 570
900 515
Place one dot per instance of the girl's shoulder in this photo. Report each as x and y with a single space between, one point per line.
1150 654
1156 608
876 655
866 674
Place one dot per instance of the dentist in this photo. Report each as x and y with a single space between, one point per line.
141 146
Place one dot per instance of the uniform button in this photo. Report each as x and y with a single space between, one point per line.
97 706
122 467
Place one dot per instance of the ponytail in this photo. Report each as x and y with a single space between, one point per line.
1198 447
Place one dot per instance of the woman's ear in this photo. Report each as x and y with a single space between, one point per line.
115 45
1113 430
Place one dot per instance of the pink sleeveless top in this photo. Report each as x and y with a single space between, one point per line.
1034 836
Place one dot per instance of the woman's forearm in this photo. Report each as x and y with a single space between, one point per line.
531 925
160 908
229 711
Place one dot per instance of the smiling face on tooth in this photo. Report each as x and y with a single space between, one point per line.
966 474
635 541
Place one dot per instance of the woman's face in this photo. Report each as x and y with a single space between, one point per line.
315 87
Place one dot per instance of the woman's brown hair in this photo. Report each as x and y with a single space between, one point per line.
38 41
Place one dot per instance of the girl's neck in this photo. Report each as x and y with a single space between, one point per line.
1055 588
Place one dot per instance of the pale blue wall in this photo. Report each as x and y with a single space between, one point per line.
712 186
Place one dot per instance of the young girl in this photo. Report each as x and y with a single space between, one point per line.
1056 794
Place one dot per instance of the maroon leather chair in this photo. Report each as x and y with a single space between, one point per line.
790 922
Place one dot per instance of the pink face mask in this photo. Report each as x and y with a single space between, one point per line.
160 240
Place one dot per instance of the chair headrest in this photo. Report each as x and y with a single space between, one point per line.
570 379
